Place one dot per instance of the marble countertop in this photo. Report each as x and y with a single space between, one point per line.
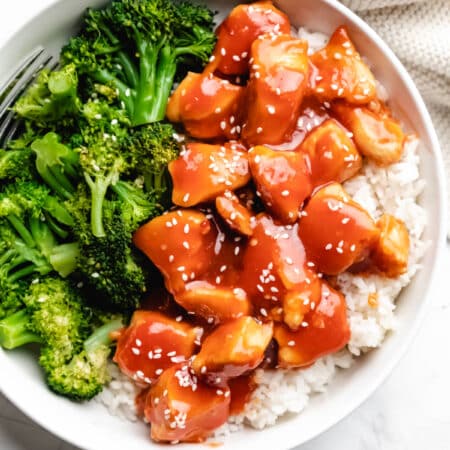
408 412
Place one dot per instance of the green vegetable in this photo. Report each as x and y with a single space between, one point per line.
84 376
73 357
138 47
52 97
30 222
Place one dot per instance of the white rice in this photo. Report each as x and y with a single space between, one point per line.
393 190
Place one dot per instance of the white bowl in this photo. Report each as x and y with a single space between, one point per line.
90 426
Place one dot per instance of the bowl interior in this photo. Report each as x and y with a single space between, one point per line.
89 425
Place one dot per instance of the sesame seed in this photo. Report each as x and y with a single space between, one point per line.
218 110
184 277
339 250
218 279
345 220
223 51
263 312
186 245
171 258
181 268
271 109
136 351
138 342
285 193
223 125
329 246
236 58
304 324
289 260
186 229
179 318
223 268
291 343
237 249
352 247
186 197
259 130
159 371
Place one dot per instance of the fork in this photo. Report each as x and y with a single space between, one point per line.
23 76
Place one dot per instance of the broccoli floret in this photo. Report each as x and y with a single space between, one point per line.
51 97
102 157
17 165
85 375
53 316
57 164
73 356
112 278
153 147
137 205
28 217
138 47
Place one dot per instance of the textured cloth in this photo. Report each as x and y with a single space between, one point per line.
418 31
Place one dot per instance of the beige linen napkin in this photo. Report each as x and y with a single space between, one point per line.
418 31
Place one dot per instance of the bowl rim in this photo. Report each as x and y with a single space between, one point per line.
289 441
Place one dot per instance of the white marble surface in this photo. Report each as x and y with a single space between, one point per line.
409 412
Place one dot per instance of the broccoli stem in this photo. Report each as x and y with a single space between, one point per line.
52 181
167 69
101 336
22 273
98 193
14 331
22 230
125 94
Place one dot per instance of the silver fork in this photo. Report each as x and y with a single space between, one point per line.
19 81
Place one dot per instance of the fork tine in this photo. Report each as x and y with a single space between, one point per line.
5 136
21 67
25 78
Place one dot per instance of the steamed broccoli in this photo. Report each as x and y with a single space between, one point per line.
16 165
112 277
52 97
57 164
30 221
137 48
85 375
74 355
102 157
153 147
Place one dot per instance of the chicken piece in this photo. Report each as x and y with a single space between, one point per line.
273 264
297 303
151 344
236 215
392 249
208 107
339 72
180 244
282 179
232 349
203 171
213 303
278 81
325 330
332 154
379 137
182 408
336 231
238 31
